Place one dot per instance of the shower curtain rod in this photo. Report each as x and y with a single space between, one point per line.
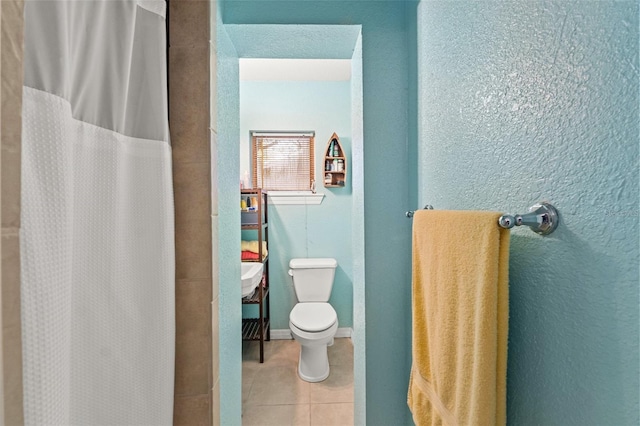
542 218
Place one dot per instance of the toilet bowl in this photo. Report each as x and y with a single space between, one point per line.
313 321
314 326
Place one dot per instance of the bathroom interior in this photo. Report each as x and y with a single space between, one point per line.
461 105
289 95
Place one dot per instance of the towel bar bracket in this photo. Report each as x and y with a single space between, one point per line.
411 212
542 218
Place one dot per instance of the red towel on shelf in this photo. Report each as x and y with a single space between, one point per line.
249 255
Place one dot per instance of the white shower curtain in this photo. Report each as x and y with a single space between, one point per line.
97 215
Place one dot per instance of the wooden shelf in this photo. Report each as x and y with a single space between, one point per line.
258 328
248 227
264 259
335 164
251 329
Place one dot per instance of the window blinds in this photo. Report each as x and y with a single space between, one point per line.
282 161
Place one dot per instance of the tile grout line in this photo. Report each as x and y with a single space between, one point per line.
277 354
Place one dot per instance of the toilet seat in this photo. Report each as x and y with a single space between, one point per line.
313 316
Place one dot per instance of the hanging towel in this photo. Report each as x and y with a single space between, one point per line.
253 247
460 317
249 255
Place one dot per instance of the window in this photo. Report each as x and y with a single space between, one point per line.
282 161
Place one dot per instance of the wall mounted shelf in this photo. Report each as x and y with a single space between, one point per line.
335 164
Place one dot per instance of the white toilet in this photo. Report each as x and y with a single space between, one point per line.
313 321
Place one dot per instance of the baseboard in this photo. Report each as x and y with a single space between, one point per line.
285 334
344 332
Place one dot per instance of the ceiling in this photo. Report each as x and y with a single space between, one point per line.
294 41
294 52
268 69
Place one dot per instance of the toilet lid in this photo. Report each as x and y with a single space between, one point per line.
312 316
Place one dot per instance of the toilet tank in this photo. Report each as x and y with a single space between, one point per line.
313 278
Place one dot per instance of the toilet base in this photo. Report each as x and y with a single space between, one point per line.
313 364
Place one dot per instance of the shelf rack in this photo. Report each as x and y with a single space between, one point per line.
258 329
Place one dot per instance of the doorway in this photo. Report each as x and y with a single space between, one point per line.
280 41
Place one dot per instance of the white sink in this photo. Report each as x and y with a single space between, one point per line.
251 276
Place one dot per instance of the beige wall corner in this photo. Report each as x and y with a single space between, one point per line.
11 48
189 121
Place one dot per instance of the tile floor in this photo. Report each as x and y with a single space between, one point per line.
273 394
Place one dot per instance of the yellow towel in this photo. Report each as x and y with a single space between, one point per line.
253 247
460 319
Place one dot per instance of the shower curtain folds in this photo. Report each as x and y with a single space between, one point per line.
97 215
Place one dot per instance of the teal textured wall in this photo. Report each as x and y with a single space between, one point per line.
524 101
225 183
357 242
304 230
387 233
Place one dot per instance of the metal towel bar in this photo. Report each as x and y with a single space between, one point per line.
542 218
411 212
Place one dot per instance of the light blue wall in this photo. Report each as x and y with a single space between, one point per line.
358 338
525 101
304 230
226 226
387 233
